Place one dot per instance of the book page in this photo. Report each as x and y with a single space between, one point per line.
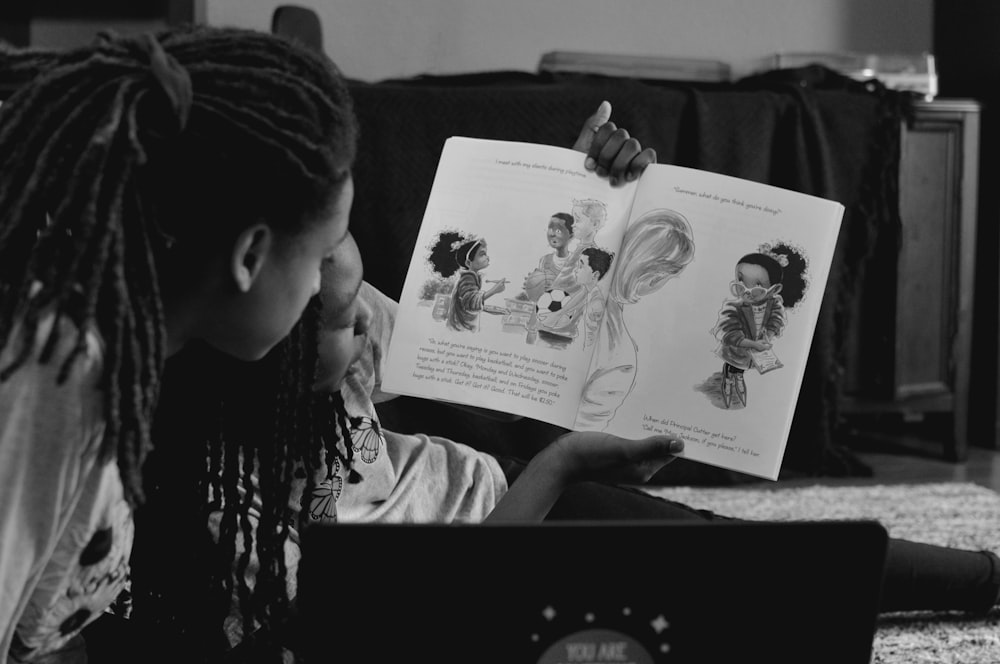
713 271
494 311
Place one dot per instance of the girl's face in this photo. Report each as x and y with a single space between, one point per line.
251 324
480 259
558 235
752 283
346 318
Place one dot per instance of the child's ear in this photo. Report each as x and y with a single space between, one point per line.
249 253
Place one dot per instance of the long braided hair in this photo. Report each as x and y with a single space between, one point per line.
123 167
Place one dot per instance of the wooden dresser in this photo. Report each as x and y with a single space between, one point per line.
910 342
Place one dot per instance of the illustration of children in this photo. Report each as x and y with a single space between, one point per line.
586 303
656 248
558 235
767 283
454 252
589 215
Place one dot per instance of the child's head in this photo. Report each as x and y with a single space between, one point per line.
560 230
656 248
345 321
473 256
594 263
777 268
187 185
758 277
175 170
589 216
454 251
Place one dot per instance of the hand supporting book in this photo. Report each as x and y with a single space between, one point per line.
642 308
579 457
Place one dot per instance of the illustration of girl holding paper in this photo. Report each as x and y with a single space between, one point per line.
454 252
767 283
656 248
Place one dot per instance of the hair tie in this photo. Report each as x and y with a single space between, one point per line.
172 78
768 250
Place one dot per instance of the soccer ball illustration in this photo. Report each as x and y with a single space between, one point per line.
551 301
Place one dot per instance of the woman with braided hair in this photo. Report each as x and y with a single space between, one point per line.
156 193
166 206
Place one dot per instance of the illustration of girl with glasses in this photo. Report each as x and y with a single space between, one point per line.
767 284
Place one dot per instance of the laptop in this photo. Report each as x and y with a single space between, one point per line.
592 592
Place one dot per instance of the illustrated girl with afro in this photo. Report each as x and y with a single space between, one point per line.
766 284
456 253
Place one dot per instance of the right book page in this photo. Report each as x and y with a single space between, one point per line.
713 302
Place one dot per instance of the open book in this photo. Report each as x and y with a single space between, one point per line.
682 303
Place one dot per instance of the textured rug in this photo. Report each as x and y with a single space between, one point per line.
954 514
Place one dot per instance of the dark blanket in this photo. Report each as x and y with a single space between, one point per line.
808 130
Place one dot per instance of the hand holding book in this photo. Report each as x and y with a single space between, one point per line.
579 457
610 150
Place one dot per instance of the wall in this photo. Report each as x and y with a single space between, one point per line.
376 39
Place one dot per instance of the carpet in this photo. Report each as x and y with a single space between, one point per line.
961 515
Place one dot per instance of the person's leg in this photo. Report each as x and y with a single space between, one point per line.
727 384
918 576
922 576
739 386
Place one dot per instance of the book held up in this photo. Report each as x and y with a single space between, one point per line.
658 307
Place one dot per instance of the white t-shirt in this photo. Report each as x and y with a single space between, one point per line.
65 528
405 478
408 478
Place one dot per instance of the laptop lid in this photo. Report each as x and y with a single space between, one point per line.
592 592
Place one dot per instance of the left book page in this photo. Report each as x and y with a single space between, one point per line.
493 242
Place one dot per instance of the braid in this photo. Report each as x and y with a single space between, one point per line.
340 410
242 511
111 183
90 243
228 525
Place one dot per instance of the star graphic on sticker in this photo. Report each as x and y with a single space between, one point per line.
659 624
549 613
